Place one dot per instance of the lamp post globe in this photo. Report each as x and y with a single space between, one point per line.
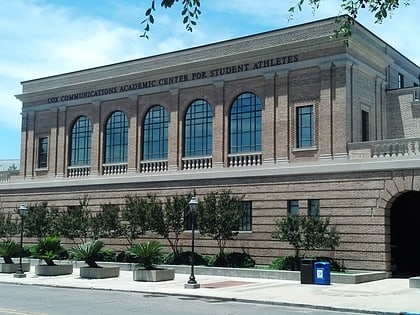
192 282
22 212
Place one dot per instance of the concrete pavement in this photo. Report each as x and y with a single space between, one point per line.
388 296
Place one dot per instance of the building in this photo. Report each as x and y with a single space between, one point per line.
293 119
6 164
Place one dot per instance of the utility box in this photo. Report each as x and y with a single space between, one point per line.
322 273
307 271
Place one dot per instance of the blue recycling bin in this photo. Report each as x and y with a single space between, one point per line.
322 273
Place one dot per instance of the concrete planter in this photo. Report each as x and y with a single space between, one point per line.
12 268
99 273
57 270
414 282
153 275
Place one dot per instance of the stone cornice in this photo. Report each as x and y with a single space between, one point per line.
339 166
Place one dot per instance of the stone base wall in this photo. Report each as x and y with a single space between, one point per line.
357 204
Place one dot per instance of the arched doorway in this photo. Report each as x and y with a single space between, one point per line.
405 235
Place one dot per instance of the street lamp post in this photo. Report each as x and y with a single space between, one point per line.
192 282
22 212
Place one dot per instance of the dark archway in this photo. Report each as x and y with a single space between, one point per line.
405 235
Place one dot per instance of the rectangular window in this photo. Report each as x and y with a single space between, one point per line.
305 126
365 126
245 223
293 207
43 152
400 81
313 208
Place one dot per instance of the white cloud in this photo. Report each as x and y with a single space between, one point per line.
39 41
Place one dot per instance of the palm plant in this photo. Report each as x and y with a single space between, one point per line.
148 254
48 249
88 252
8 249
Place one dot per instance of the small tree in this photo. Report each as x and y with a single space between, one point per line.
106 223
8 226
136 214
219 217
169 220
74 223
41 221
306 233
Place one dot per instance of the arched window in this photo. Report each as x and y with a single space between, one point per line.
81 142
116 138
198 129
155 134
245 124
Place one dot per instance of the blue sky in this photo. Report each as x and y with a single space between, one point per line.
46 37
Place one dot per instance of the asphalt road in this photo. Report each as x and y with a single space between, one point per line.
40 300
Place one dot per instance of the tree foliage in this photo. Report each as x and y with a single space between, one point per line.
219 217
106 223
74 223
8 226
190 13
136 214
169 221
350 10
306 233
41 221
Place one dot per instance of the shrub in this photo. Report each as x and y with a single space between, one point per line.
334 264
9 249
48 249
106 254
126 256
148 254
88 252
232 260
290 263
285 263
184 258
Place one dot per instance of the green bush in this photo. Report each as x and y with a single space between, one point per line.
232 260
285 263
9 249
127 257
88 252
289 263
48 249
149 254
334 264
184 258
106 254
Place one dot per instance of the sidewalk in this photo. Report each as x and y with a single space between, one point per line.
389 296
